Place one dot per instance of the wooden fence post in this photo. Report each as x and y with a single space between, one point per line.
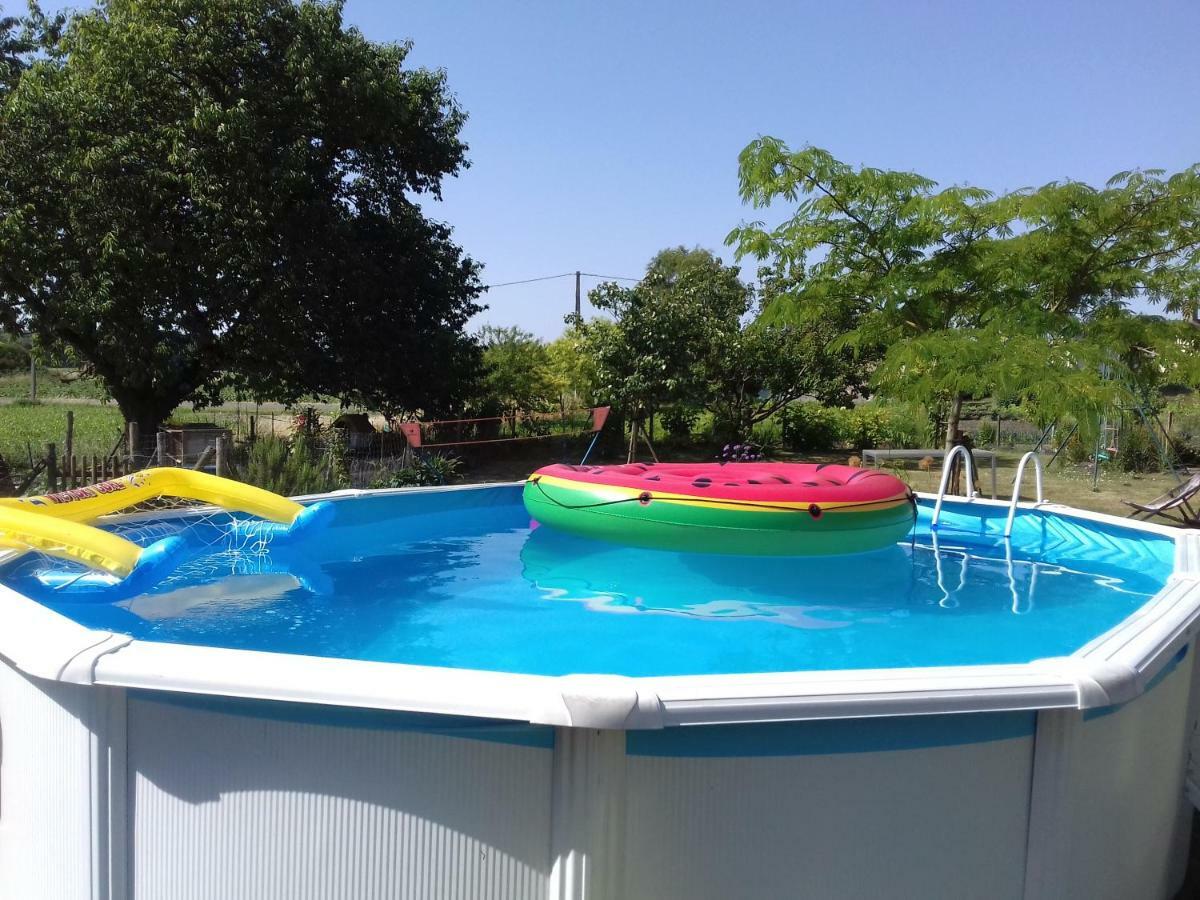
51 469
160 449
204 458
69 445
222 456
134 441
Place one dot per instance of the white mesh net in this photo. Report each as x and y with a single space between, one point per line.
220 544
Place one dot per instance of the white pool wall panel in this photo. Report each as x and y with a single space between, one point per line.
919 823
51 758
131 770
264 803
1110 816
232 806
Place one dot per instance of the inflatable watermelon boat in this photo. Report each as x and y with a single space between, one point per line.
779 509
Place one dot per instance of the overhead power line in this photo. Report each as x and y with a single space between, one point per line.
563 275
578 287
609 277
529 280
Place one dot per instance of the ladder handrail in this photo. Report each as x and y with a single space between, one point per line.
1016 495
947 465
1018 607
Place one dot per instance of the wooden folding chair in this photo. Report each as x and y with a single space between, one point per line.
1175 505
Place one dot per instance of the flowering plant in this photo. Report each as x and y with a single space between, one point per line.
740 453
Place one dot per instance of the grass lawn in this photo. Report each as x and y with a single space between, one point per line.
1064 483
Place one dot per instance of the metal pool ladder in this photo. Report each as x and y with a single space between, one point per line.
1016 495
971 492
947 466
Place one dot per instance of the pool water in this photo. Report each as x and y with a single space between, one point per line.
459 579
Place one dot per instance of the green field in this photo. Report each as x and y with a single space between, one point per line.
25 429
52 384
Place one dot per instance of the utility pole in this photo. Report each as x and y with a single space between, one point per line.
577 296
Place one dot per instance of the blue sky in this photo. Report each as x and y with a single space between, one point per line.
602 132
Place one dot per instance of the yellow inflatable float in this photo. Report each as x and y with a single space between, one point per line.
60 524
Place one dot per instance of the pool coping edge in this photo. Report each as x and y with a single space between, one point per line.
1111 669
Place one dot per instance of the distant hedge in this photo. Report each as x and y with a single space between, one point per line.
807 427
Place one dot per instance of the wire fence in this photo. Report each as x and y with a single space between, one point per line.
511 427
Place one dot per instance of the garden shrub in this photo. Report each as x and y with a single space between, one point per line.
876 425
424 471
1185 433
302 465
703 427
767 436
679 421
810 426
985 435
1186 442
13 357
1138 452
1077 451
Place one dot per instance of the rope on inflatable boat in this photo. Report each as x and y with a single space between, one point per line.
647 496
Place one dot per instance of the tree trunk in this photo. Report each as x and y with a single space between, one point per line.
148 414
952 421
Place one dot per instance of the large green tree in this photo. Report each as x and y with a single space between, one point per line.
572 371
957 293
195 193
687 335
22 39
517 371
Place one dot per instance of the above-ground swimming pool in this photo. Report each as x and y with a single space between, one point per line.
432 698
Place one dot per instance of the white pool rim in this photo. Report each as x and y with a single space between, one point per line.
1110 670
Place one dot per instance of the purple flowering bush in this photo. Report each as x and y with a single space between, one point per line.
740 453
